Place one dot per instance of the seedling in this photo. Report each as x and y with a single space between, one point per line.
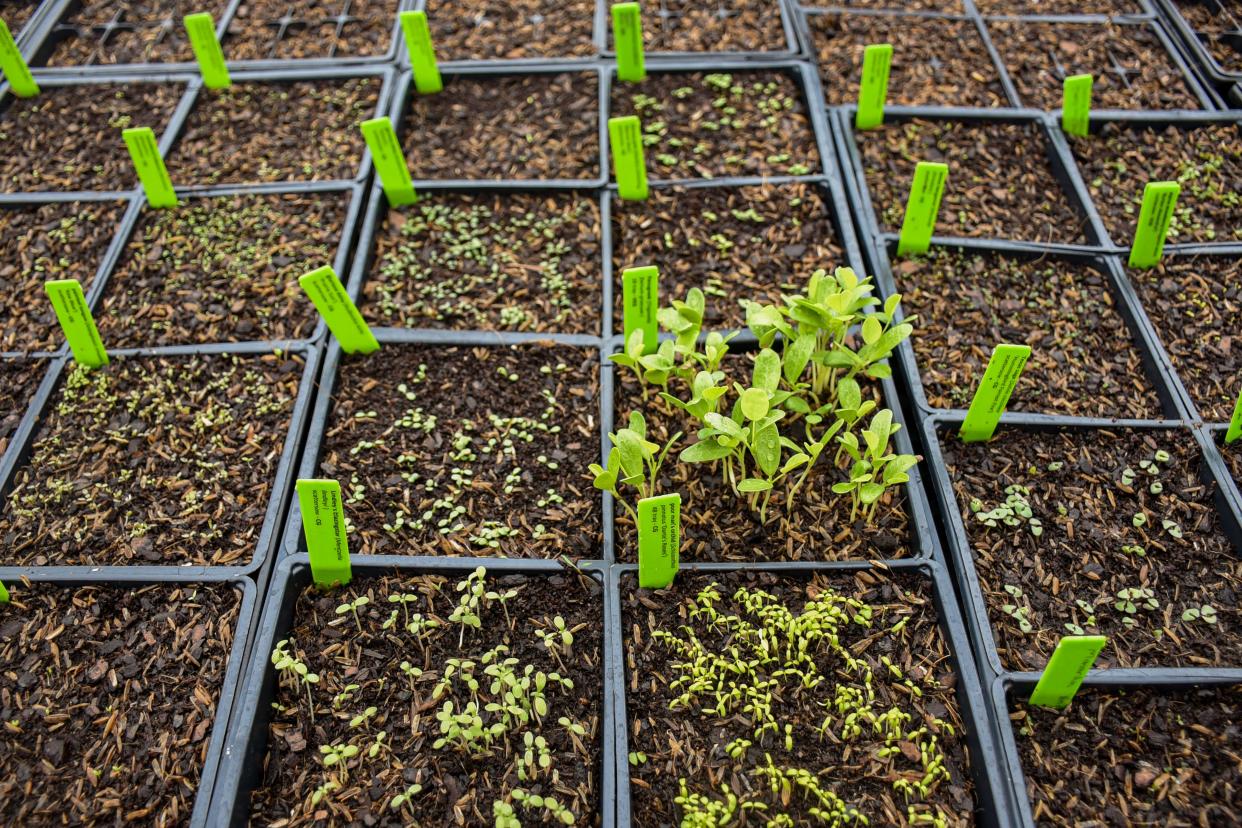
633 461
875 469
288 664
353 607
1206 613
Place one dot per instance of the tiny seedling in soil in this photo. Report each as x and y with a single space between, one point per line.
77 133
149 31
1133 757
467 451
478 702
507 261
1000 184
1205 159
1084 361
18 380
789 701
309 131
108 699
1215 29
724 26
153 460
320 29
1098 533
707 125
221 270
484 30
728 242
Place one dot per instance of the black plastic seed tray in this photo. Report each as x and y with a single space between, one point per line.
1192 39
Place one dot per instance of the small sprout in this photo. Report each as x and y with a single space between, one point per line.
1128 476
1163 456
637 757
1139 520
1206 613
405 796
1156 488
1172 528
353 607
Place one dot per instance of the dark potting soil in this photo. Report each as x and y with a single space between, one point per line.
59 240
501 261
1131 68
380 669
721 26
69 137
1206 160
1084 360
19 378
221 270
1000 184
940 6
105 32
310 29
109 698
1108 555
1193 302
1216 31
485 30
15 13
706 125
529 127
308 131
936 61
1133 757
842 691
751 242
468 451
1058 7
153 460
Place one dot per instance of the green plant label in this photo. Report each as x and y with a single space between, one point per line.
389 161
339 311
1159 199
422 54
1066 669
201 30
659 540
14 67
1076 105
627 34
626 138
1235 422
145 151
873 89
640 296
4 593
922 207
76 321
994 391
323 522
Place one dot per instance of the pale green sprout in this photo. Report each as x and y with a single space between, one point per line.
405 796
353 607
633 461
338 756
1207 613
875 469
290 665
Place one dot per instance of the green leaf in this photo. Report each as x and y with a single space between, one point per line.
849 395
704 451
870 492
872 330
754 484
891 303
754 403
794 462
631 447
879 370
638 423
767 449
724 424
767 372
634 344
797 355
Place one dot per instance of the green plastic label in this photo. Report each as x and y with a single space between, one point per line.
1066 669
1159 199
627 35
76 321
422 54
625 135
994 391
389 161
201 30
323 522
145 151
659 540
1235 422
640 297
1076 105
873 89
14 67
339 311
922 207
4 594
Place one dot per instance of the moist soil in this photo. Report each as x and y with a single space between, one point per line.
1205 160
19 379
309 131
1088 490
1000 183
108 697
1193 303
70 136
359 664
105 32
755 242
1217 32
936 61
59 240
1133 757
1084 360
154 461
865 633
530 127
487 262
721 26
1058 7
1131 68
483 30
16 12
221 270
707 125
310 29
468 451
